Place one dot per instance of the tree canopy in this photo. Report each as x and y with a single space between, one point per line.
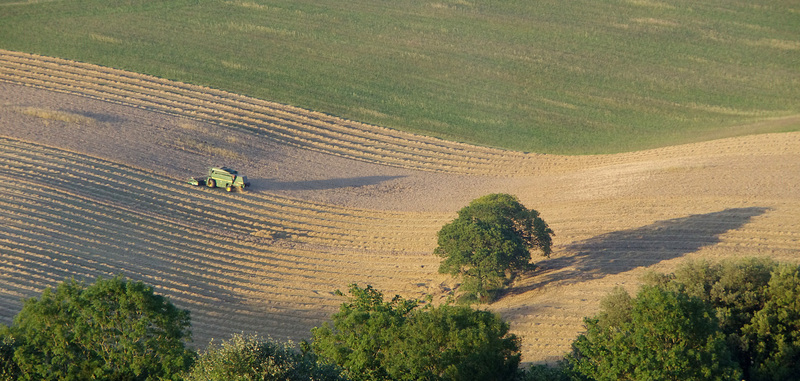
489 241
679 321
772 337
398 340
660 335
249 358
112 329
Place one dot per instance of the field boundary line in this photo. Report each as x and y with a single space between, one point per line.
282 123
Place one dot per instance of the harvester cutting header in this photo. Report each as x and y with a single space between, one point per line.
222 177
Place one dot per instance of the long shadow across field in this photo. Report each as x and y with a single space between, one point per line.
621 251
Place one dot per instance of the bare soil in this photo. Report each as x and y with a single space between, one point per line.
94 162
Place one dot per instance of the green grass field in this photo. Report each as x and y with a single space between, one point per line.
573 77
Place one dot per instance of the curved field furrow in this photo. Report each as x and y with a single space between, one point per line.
285 124
79 216
256 217
397 139
313 131
249 221
294 137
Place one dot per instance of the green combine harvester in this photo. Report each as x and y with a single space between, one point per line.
222 177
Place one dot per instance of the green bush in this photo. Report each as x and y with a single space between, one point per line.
398 340
772 337
677 323
249 358
661 335
542 372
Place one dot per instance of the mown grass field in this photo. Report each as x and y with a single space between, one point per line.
570 77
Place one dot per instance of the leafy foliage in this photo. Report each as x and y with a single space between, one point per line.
736 290
490 241
665 335
454 343
248 358
397 340
8 367
542 372
113 329
362 330
773 335
751 303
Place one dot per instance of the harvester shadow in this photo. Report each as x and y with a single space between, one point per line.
326 184
101 117
622 251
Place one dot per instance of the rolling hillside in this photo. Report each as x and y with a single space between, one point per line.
563 77
94 161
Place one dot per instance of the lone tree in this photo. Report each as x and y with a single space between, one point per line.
113 329
490 242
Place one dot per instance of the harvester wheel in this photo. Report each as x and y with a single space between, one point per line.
211 183
229 188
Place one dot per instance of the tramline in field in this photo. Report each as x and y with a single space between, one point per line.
222 177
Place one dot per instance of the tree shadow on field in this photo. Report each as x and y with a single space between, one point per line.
349 182
622 251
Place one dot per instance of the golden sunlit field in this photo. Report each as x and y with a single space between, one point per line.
94 162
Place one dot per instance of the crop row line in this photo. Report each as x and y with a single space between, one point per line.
285 112
254 202
132 234
39 239
289 127
130 192
168 225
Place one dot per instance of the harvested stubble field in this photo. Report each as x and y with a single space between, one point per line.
93 161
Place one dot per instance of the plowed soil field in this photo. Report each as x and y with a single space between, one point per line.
94 162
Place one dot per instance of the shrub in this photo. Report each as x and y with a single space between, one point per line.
249 358
398 340
662 334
